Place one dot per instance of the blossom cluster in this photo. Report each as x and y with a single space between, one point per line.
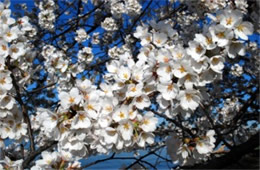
189 151
47 14
170 73
81 35
129 7
55 160
115 115
14 50
117 8
94 118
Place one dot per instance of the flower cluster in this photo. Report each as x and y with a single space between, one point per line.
47 14
55 160
115 115
13 52
179 74
96 118
81 35
109 24
129 7
159 71
190 151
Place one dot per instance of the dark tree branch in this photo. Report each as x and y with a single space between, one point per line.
34 154
23 107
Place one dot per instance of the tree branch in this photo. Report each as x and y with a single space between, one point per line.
34 154
24 108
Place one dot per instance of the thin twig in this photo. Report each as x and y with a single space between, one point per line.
34 154
144 156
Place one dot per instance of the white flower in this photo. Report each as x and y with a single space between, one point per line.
85 86
24 23
7 102
120 114
48 119
113 66
196 50
148 123
4 49
62 64
206 144
145 138
126 130
244 29
189 99
81 35
134 90
80 121
181 69
146 39
236 48
124 74
5 81
48 158
86 55
189 81
17 50
230 18
92 107
201 66
132 112
71 98
217 63
184 151
109 24
110 135
142 101
164 55
11 34
2 62
8 131
104 120
205 40
203 147
140 31
165 72
210 135
20 130
221 35
178 53
168 90
159 39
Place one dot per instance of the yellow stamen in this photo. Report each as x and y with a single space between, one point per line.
199 49
182 69
170 87
188 97
220 35
121 115
229 21
139 99
126 126
71 99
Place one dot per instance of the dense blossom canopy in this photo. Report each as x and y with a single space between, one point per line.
86 77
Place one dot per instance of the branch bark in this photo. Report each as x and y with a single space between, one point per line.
34 154
24 108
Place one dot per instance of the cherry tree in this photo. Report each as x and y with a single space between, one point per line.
80 78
